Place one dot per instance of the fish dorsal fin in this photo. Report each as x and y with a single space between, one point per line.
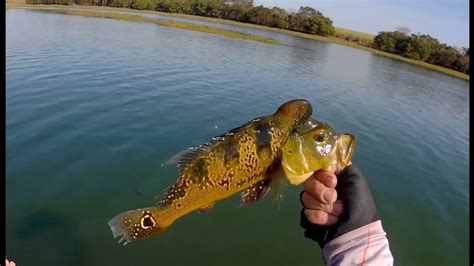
206 208
186 156
249 123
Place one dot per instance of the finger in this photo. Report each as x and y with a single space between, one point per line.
327 178
309 202
319 191
337 208
320 217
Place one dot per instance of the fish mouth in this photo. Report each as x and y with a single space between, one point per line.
345 150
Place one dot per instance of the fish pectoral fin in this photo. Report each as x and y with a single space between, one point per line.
206 208
278 182
255 192
274 184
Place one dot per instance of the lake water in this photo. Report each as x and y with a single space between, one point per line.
95 106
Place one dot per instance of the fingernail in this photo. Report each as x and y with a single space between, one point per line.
329 195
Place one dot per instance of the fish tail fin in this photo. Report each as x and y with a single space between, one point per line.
138 224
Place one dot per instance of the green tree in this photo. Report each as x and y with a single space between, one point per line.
308 12
170 6
213 8
320 25
238 12
461 63
386 42
416 48
279 18
297 22
142 4
261 15
119 3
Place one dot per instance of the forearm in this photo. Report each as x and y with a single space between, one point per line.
366 245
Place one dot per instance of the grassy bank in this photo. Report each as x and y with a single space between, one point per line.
13 6
167 23
335 40
357 34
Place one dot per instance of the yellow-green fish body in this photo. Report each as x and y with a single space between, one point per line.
244 159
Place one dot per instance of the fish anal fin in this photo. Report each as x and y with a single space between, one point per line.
255 192
207 208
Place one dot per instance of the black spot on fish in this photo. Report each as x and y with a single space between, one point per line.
202 173
148 221
231 152
263 134
201 164
198 172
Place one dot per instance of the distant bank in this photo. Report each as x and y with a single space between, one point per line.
15 3
336 40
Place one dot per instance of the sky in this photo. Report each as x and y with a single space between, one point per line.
446 20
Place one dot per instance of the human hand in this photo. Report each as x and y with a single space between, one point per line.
321 222
319 198
9 263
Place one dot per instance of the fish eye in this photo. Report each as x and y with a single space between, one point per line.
321 137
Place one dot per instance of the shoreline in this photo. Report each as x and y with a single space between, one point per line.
162 22
333 40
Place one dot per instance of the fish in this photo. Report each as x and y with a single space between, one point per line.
316 146
246 159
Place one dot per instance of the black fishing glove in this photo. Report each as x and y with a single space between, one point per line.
358 208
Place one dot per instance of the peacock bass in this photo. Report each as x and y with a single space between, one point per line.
256 158
239 160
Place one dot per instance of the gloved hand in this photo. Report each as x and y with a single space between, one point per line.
329 213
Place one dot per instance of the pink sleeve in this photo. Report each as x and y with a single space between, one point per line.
366 245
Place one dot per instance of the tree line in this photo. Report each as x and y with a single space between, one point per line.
424 48
306 20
